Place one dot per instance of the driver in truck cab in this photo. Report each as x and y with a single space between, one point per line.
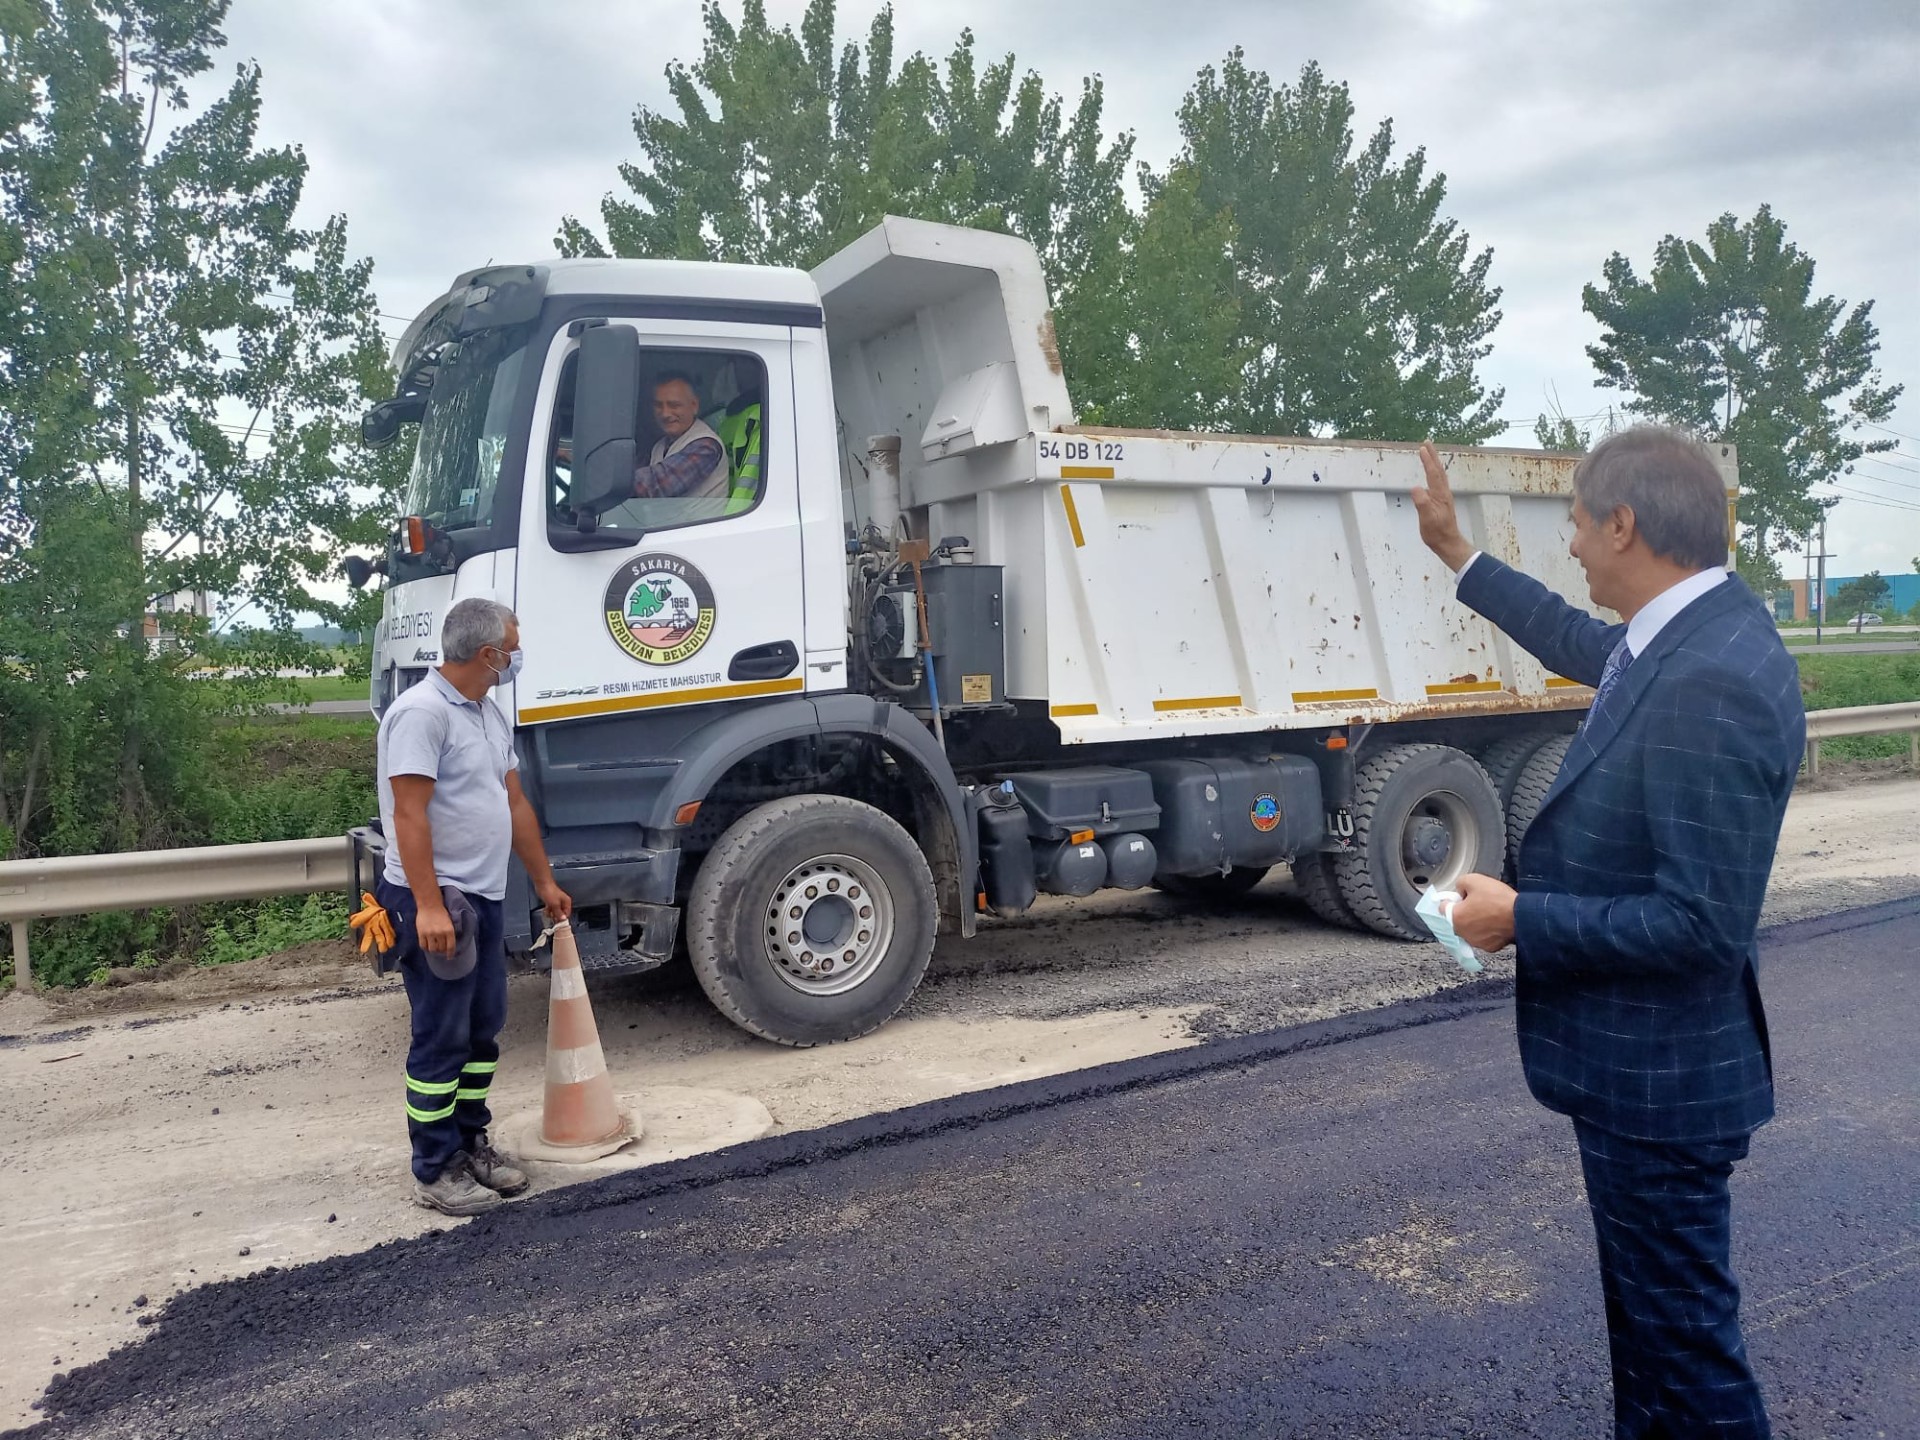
714 471
688 460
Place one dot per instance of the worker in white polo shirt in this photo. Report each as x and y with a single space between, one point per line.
451 808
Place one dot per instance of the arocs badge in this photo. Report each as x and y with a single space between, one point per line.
659 609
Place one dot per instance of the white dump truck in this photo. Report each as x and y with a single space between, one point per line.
921 648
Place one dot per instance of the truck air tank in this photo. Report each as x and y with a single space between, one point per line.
1067 868
1131 860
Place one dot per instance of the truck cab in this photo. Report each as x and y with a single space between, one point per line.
924 648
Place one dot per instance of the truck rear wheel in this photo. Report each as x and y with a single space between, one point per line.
1503 761
1319 887
1536 778
1423 816
811 920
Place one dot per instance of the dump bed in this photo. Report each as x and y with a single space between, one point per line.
1168 584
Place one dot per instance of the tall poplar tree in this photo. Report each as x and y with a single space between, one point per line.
180 366
1727 339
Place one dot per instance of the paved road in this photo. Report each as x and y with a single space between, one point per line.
1356 1228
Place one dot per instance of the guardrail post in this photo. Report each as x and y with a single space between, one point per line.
1813 757
22 968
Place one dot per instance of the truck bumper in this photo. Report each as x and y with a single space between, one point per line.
626 896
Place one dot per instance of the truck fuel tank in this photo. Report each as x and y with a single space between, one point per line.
1224 811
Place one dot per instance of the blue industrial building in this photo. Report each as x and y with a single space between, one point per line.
1791 603
1906 594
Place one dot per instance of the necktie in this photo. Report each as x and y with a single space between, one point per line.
1616 666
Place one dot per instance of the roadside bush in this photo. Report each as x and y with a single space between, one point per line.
269 778
1832 682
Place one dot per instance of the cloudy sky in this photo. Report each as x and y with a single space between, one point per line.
456 132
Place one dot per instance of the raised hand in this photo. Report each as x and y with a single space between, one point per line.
1439 524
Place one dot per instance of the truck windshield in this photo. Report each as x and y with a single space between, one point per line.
463 435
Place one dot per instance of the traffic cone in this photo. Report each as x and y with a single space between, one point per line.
580 1119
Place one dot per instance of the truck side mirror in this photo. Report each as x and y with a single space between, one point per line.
606 418
382 423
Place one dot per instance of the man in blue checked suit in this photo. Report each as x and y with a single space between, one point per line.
1639 892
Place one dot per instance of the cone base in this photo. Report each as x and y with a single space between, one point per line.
531 1145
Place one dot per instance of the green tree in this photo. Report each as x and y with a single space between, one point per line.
1760 569
1862 596
1361 309
1726 339
782 152
180 365
1557 432
1161 339
1274 280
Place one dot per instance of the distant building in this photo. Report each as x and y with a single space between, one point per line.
161 625
1905 588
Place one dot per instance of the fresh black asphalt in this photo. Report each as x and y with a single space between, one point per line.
1358 1228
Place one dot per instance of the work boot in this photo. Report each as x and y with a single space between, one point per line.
455 1191
495 1171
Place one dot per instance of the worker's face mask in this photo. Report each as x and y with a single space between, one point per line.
512 670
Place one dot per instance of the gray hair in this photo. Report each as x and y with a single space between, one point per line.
471 626
1668 480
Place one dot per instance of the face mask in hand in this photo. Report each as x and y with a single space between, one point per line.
1436 909
512 672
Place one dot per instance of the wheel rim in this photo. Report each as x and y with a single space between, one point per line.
829 925
1439 842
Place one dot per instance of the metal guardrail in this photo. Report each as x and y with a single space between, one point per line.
1859 720
139 879
82 884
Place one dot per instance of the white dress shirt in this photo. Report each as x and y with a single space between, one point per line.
1654 616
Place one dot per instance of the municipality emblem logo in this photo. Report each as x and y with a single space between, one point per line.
659 609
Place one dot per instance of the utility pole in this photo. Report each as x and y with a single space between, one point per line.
1807 584
1820 615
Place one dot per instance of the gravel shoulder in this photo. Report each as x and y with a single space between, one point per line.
166 1134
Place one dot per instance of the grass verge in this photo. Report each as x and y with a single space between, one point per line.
1833 682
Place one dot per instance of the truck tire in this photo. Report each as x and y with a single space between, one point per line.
1503 761
811 920
1230 886
1536 778
1319 887
1423 816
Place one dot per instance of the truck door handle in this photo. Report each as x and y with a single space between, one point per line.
765 662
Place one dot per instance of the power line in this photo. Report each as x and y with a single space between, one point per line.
1881 479
1890 464
1891 431
1861 497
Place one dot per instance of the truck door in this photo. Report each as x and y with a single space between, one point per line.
679 599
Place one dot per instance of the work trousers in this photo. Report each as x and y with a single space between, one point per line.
1663 1219
456 1034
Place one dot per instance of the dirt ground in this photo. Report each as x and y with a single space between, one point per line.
165 1133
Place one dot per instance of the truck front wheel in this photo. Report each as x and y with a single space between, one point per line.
811 920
